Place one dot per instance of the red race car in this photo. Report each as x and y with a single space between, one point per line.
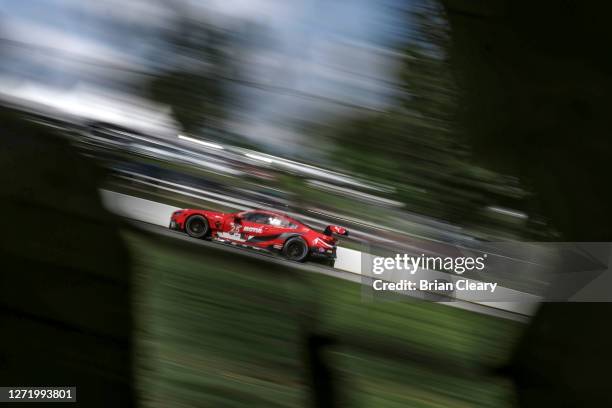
261 229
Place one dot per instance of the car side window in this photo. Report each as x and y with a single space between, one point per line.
282 222
258 218
276 221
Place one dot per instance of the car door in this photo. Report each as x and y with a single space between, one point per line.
253 225
232 230
274 233
277 225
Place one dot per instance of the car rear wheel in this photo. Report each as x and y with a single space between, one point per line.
197 226
295 249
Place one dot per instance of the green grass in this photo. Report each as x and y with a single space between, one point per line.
225 330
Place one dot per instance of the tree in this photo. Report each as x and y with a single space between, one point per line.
418 144
195 83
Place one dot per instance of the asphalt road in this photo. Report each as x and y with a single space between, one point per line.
311 267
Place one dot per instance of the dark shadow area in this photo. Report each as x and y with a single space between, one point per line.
536 83
65 306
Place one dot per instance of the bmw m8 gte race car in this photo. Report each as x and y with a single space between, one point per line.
261 229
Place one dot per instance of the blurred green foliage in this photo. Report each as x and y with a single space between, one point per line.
419 146
224 330
194 82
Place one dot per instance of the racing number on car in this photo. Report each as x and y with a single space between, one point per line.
235 232
240 232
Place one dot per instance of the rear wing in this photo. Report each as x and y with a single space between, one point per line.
335 229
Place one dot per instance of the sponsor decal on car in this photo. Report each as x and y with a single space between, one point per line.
318 241
231 236
252 229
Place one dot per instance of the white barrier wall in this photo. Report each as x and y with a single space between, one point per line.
137 208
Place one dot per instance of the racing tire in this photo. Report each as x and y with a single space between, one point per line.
197 226
296 249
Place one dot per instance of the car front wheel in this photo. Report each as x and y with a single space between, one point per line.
197 226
